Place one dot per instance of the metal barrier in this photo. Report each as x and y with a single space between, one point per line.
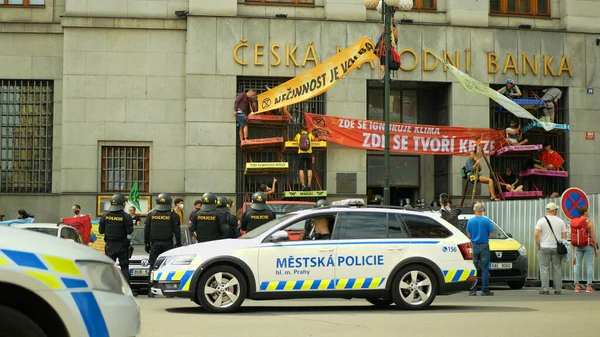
518 217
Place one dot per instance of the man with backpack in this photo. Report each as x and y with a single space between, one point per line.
305 139
583 238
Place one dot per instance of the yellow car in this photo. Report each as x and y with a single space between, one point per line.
508 258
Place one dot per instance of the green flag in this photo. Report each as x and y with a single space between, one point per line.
134 196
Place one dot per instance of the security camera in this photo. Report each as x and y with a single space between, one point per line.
181 14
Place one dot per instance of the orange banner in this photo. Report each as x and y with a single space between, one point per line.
404 138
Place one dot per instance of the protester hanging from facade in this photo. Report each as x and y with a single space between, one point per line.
510 182
548 159
305 139
510 89
241 109
514 134
550 100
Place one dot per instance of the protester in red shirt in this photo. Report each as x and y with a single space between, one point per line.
549 159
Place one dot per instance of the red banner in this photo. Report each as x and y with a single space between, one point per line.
404 138
83 224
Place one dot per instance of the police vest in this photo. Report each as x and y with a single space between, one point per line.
207 228
256 218
231 221
115 226
160 225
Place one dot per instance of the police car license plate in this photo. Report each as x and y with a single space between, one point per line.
139 272
501 266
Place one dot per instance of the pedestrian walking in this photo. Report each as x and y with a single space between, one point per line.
480 229
583 239
116 225
547 231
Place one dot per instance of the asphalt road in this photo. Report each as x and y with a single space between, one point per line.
509 313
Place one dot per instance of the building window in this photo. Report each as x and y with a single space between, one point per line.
424 4
122 166
282 2
31 3
26 113
520 7
403 105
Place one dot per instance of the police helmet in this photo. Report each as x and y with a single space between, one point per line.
377 200
117 203
222 202
209 201
258 201
322 203
163 202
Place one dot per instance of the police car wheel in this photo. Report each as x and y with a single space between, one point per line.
414 287
380 302
15 324
221 289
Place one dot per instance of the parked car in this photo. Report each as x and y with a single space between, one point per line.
56 230
139 264
384 255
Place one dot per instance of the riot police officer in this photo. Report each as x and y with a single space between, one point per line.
377 200
223 207
116 225
209 223
160 227
258 214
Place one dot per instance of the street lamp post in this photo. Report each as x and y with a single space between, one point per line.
385 9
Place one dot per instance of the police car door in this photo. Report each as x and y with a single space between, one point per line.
301 265
371 245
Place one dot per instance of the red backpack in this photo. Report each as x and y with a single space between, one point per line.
580 235
304 142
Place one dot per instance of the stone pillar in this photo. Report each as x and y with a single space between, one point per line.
579 15
212 7
469 13
345 10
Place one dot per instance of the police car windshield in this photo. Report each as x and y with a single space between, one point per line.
498 232
265 228
50 231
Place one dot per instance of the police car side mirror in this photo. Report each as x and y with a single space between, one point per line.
279 236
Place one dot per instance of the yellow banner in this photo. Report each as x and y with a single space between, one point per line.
472 85
318 79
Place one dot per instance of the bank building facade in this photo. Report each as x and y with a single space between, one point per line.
98 94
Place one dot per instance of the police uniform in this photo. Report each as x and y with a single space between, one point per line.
258 214
160 226
232 221
208 223
116 225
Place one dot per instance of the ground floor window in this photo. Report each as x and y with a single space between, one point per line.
26 116
122 166
500 119
246 185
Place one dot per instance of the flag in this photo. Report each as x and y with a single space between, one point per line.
472 85
134 196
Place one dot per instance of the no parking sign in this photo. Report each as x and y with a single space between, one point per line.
571 199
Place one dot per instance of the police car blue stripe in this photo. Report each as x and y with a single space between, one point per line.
24 259
185 278
315 285
332 285
298 285
367 282
350 283
457 276
74 283
158 276
91 314
280 286
170 276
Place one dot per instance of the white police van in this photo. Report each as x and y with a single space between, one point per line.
384 255
50 287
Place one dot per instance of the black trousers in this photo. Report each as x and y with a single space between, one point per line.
157 248
119 250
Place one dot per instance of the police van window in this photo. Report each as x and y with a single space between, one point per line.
424 227
396 229
362 225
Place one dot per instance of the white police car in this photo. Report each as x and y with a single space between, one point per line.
50 287
384 255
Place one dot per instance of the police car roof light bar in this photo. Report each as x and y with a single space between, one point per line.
349 202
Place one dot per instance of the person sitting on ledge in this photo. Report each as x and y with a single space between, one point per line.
510 182
472 166
549 159
514 134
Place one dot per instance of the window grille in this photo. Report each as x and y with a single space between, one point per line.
122 166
